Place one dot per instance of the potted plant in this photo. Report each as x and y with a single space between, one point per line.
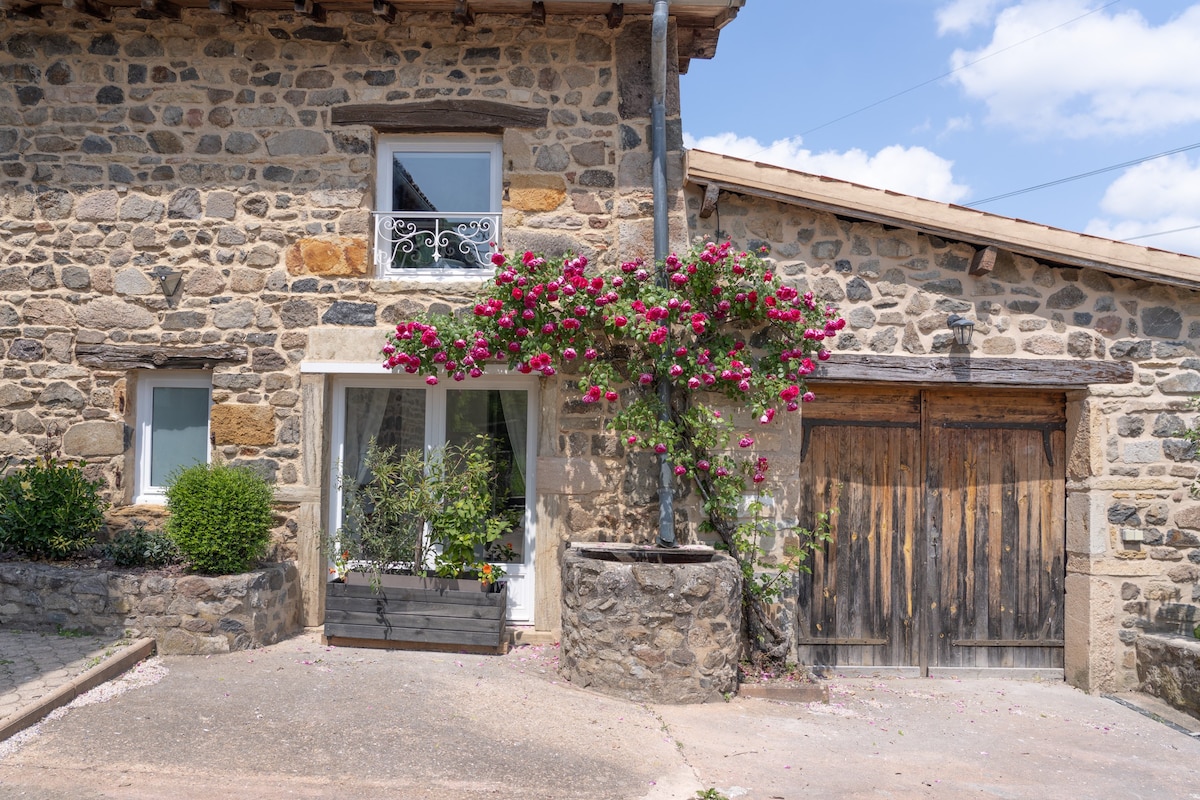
411 564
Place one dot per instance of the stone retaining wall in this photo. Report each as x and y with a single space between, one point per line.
1169 667
659 633
186 614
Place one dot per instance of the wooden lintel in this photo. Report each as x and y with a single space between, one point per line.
711 193
983 261
463 14
310 8
538 13
144 356
477 116
615 14
161 8
1044 372
89 7
384 10
229 8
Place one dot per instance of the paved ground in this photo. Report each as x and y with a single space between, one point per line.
32 665
302 720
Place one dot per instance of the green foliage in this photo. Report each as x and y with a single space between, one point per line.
664 346
465 523
423 515
711 794
1192 434
220 517
49 509
139 547
385 517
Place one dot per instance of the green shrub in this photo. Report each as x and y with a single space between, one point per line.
220 516
49 509
139 547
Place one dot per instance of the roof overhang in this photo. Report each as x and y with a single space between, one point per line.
952 222
698 22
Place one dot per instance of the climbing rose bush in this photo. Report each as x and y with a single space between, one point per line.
718 327
723 324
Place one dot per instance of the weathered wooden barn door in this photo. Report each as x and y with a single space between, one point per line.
995 521
948 529
861 463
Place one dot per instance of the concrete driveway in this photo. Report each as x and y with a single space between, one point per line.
302 720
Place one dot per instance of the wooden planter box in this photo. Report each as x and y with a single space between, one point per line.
416 613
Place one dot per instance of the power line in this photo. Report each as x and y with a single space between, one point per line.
951 72
1082 175
1160 233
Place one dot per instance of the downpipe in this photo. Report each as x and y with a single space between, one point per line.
658 143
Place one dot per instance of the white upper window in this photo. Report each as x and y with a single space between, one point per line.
172 428
438 204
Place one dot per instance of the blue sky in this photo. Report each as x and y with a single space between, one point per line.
1038 90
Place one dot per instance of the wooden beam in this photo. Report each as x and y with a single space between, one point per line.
983 261
615 14
1055 373
144 356
711 193
161 8
90 7
463 115
310 8
384 10
229 8
538 13
462 13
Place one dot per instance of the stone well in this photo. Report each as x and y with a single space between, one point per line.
651 625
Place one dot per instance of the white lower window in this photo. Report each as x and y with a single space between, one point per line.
172 428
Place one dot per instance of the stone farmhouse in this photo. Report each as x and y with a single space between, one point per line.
210 215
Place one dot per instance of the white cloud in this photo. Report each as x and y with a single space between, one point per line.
1157 196
908 170
961 16
1107 73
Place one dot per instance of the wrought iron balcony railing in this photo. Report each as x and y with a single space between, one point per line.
434 241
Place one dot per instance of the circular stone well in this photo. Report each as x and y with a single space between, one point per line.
651 625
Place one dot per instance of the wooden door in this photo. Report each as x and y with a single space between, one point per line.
861 462
948 519
995 518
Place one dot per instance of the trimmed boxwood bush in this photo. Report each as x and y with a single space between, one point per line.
49 509
220 516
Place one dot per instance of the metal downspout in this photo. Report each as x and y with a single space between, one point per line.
658 139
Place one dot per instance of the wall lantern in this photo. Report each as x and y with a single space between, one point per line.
962 328
169 281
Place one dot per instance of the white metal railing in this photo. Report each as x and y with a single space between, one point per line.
434 240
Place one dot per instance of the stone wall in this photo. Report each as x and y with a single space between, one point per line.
1133 528
651 632
1169 667
207 146
188 614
